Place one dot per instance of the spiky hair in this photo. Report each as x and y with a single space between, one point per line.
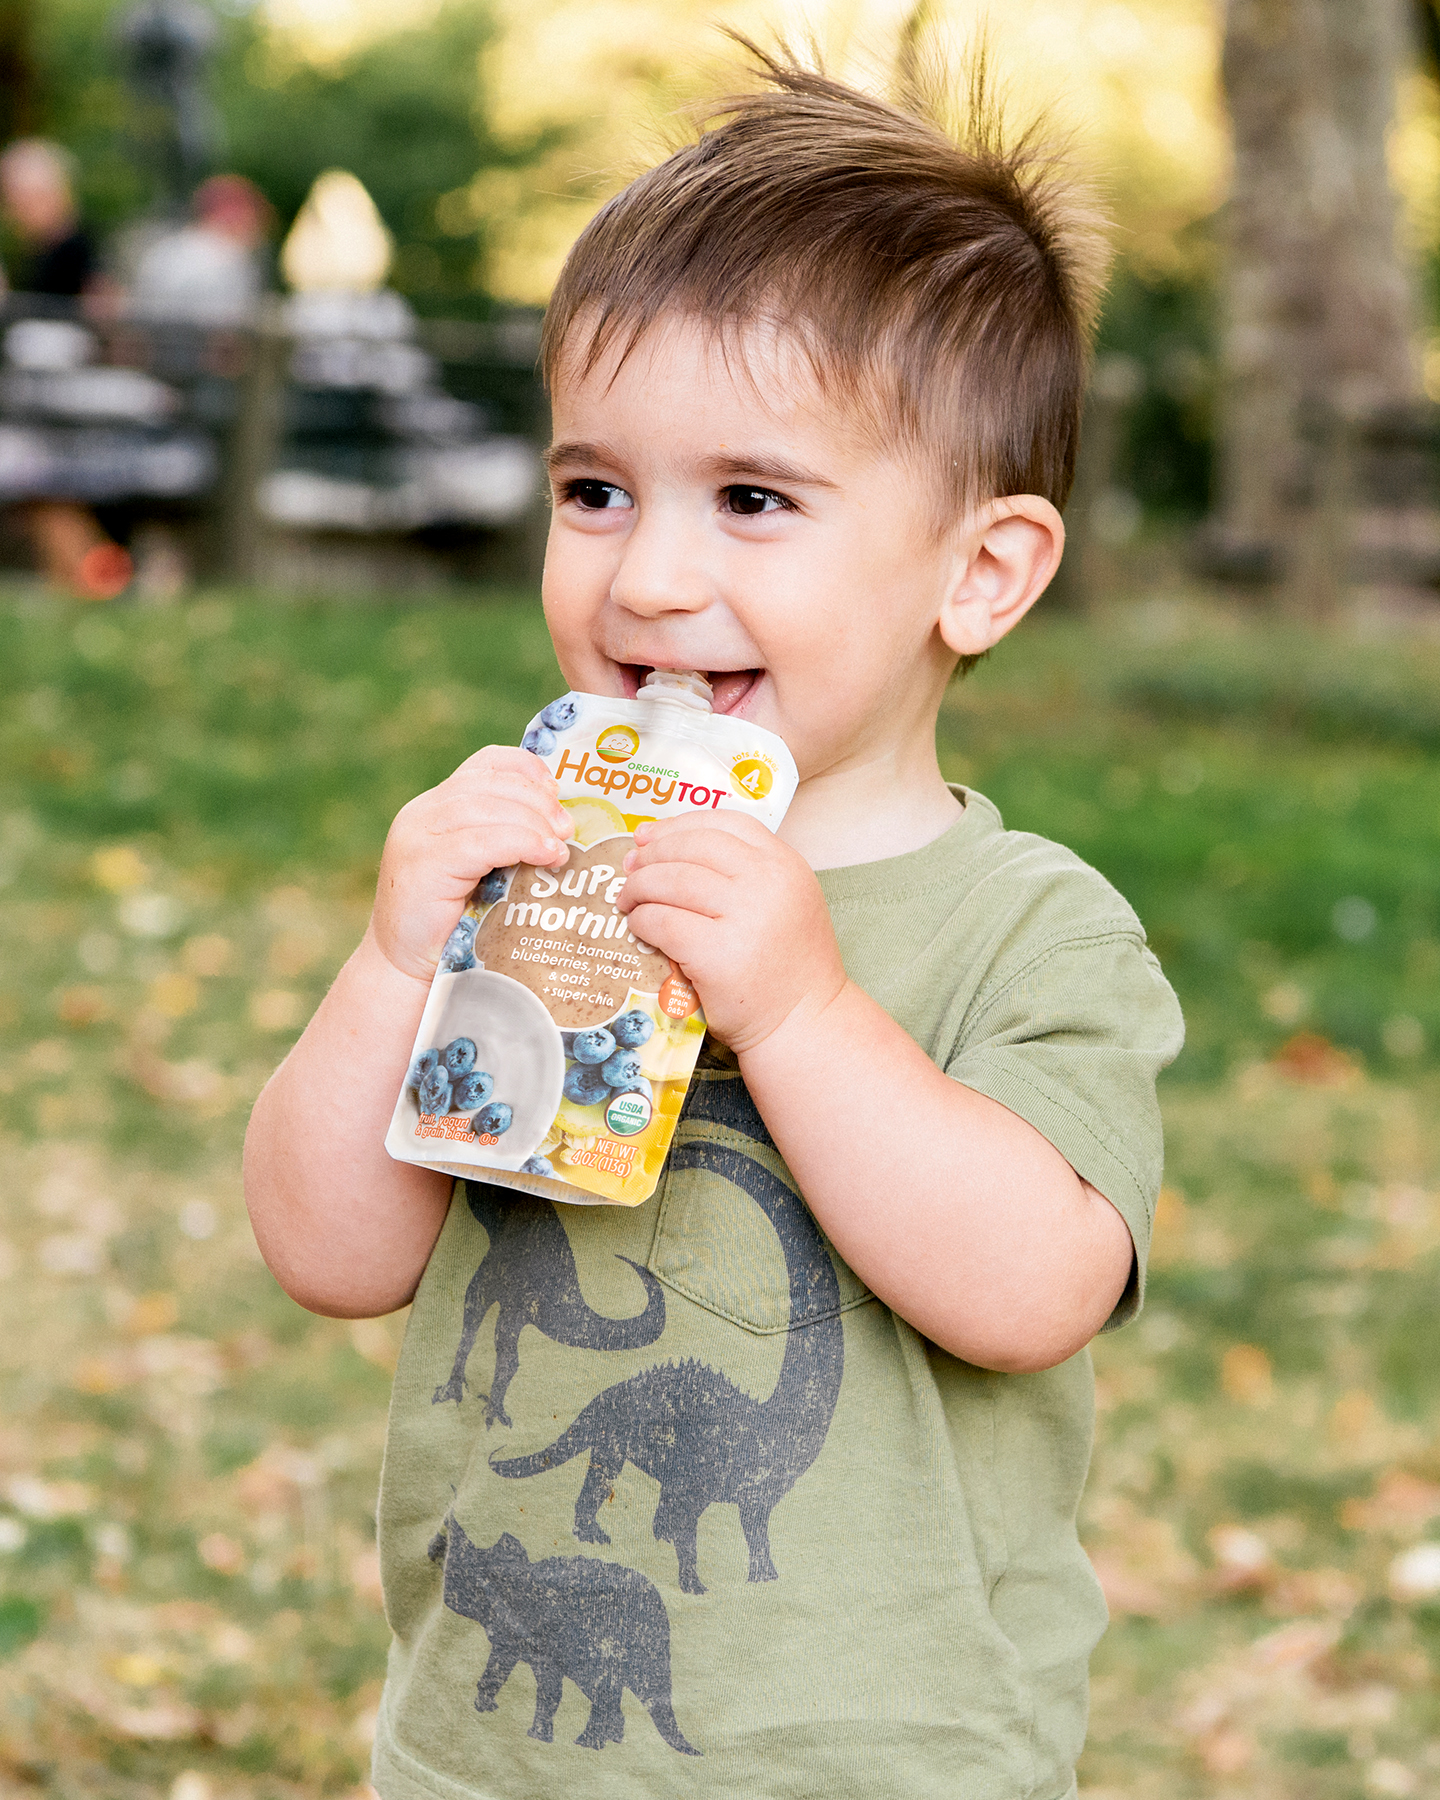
941 274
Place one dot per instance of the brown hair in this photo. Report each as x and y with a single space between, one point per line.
945 280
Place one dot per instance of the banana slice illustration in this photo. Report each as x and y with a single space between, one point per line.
594 819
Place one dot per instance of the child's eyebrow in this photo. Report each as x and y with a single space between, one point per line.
559 454
756 467
759 467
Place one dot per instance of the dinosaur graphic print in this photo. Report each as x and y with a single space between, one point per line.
602 1625
528 1271
688 1426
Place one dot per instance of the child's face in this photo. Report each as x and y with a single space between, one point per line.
739 522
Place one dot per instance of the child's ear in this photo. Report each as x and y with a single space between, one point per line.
1005 557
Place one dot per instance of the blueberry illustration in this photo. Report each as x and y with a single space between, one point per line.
459 951
540 739
567 1043
621 1068
560 715
636 1084
461 938
471 1090
492 1120
632 1029
421 1067
459 1056
592 1046
537 1165
435 1091
585 1085
492 888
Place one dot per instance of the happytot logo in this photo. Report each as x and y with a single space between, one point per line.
617 743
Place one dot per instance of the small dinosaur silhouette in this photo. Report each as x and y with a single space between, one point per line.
528 1271
603 1625
688 1426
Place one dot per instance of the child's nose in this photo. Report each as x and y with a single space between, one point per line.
662 570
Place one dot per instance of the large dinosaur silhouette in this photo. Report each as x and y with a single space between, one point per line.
688 1426
528 1271
603 1625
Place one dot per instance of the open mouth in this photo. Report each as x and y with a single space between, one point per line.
729 687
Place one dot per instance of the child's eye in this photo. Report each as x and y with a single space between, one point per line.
747 501
596 496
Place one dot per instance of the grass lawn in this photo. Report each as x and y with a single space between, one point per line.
192 803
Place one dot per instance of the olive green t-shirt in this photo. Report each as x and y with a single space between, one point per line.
672 1505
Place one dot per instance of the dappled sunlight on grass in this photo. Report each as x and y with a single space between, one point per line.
1268 1474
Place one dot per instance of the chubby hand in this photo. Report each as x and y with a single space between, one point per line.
741 914
501 806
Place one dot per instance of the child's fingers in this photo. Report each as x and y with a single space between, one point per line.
681 934
722 851
497 759
684 884
500 770
486 847
731 824
469 837
458 811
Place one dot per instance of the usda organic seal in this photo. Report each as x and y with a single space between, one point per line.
628 1113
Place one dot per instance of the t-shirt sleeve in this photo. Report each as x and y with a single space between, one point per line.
1073 1044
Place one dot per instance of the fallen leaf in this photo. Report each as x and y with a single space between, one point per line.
83 1005
1315 1061
1243 1560
221 1553
1400 1506
1295 1646
174 996
151 1313
1329 1591
372 1340
166 1721
292 952
276 1009
207 955
365 1576
1227 1752
1352 1415
1246 1376
138 1670
118 869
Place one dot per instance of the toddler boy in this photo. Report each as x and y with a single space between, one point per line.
768 1487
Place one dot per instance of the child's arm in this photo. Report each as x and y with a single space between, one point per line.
345 1229
959 1214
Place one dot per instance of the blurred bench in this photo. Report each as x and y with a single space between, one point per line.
341 422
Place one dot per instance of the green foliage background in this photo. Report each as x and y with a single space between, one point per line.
400 112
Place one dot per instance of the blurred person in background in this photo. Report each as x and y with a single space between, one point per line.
58 257
210 272
58 262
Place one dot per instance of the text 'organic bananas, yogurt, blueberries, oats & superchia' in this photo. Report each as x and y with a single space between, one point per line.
556 1048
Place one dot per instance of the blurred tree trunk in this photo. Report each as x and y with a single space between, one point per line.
18 108
1318 329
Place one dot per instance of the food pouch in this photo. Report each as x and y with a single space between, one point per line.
556 1048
